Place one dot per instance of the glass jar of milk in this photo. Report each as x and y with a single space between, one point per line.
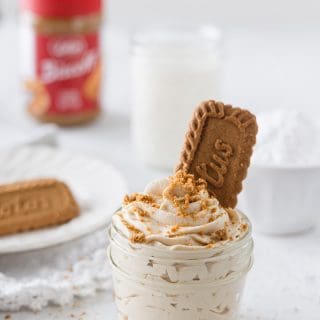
173 70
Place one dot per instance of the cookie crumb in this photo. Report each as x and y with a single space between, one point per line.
138 237
138 197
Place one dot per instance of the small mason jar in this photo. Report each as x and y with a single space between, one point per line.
172 71
196 283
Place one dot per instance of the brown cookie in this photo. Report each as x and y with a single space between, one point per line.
218 147
35 204
40 101
91 88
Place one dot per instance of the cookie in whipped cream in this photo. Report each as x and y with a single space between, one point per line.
178 212
218 147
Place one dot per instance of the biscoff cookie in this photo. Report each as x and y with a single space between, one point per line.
218 147
35 204
40 101
92 85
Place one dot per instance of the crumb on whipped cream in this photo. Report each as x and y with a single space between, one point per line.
178 212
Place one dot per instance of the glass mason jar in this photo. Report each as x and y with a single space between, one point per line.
173 70
158 283
61 59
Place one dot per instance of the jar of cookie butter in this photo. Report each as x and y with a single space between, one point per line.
61 59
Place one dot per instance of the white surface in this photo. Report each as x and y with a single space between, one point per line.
98 187
99 307
18 137
55 275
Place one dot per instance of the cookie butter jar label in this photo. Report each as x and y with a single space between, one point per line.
67 73
61 59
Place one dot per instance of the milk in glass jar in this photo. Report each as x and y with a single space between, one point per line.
172 71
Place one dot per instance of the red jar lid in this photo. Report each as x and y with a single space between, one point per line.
62 8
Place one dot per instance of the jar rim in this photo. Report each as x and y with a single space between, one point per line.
173 39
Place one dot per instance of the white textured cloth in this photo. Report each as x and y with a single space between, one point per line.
54 275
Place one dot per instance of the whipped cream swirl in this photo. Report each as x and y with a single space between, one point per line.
178 212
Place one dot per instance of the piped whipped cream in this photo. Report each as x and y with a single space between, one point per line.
178 212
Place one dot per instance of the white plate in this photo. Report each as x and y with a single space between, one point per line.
97 186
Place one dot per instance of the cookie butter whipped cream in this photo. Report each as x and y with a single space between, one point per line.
178 254
178 213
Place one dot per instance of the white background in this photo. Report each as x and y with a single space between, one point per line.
271 60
